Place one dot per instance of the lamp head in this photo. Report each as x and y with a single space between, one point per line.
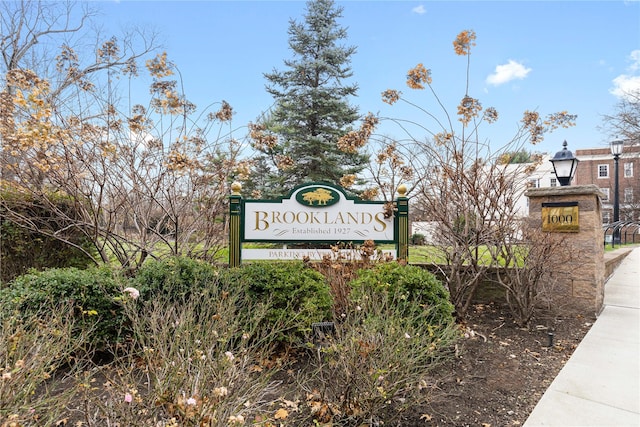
616 147
564 165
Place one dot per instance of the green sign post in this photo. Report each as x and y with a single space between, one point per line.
402 224
235 221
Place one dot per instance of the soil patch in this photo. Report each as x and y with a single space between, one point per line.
501 370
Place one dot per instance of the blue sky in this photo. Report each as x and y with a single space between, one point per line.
546 56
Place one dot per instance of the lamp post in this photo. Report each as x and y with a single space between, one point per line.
616 150
564 165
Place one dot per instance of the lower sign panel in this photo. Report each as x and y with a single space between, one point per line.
560 217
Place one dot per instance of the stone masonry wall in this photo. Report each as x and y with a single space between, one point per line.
581 280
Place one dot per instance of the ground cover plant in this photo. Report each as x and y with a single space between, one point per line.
222 354
375 365
198 361
216 357
33 349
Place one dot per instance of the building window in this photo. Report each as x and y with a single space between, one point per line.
605 198
553 182
603 171
628 170
628 216
628 195
534 183
606 217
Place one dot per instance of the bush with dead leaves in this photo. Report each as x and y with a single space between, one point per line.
376 364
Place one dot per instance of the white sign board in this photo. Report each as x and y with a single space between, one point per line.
316 212
300 254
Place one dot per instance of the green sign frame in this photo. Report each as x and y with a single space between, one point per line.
317 212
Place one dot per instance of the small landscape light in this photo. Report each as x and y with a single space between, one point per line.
550 335
321 330
324 328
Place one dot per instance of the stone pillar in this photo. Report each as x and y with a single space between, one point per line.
553 209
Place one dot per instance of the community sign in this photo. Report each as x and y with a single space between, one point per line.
316 213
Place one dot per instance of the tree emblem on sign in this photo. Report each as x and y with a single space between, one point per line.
319 196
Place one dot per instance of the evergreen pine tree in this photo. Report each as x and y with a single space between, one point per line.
311 110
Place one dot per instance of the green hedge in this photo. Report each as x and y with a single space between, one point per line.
93 294
23 250
175 278
293 294
296 294
409 283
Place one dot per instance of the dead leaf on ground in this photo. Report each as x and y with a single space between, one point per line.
290 404
426 417
281 414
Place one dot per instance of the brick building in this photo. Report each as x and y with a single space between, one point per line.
597 167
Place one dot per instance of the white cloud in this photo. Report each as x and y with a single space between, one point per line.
634 56
141 140
507 72
625 84
420 10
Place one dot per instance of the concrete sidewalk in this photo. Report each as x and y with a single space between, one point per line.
600 383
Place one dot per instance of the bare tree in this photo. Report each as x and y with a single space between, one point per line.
144 180
624 123
28 28
461 182
529 273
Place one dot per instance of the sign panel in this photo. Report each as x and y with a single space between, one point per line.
316 213
300 254
562 217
